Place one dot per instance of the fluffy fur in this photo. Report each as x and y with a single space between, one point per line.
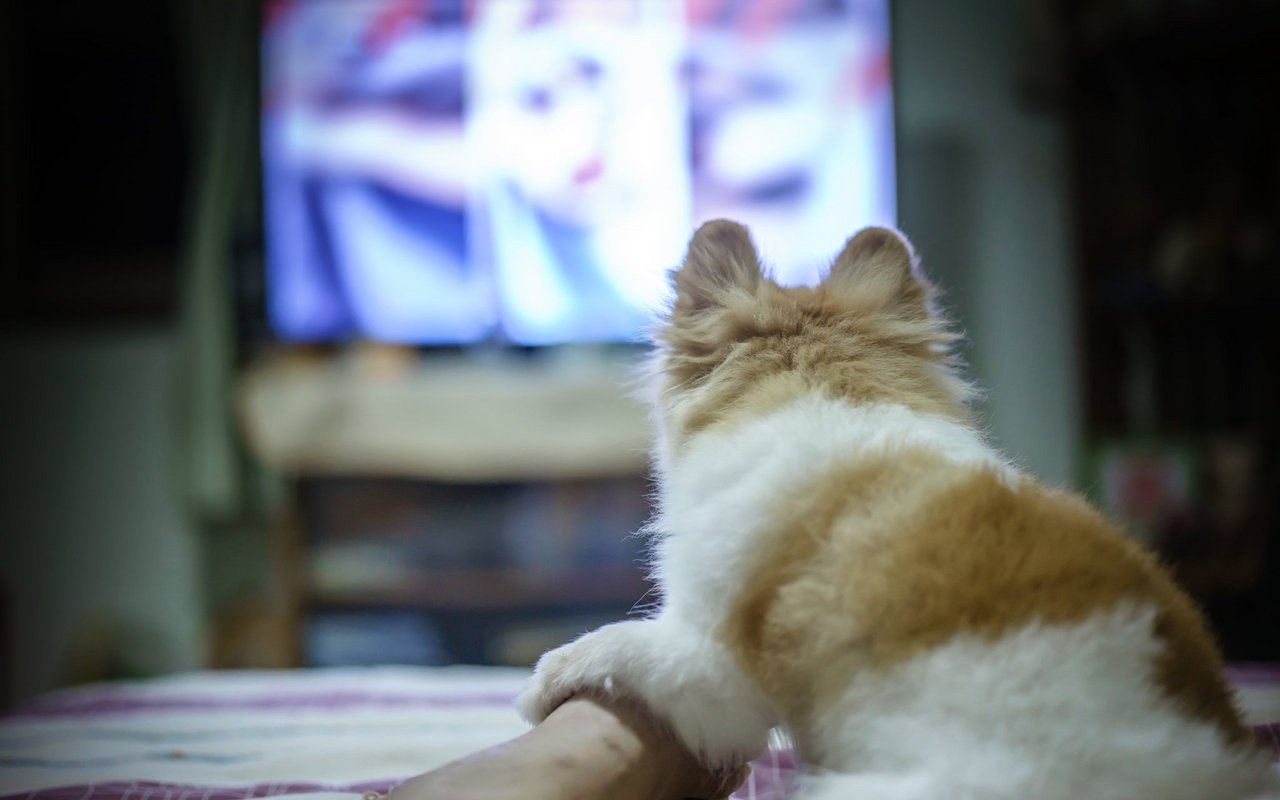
841 553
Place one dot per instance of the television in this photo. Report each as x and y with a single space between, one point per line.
445 172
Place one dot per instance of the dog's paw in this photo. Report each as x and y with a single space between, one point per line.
679 675
589 664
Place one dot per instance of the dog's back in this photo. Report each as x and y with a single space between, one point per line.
841 552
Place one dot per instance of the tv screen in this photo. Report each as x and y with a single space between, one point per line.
529 170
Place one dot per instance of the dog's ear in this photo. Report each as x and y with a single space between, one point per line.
879 265
721 261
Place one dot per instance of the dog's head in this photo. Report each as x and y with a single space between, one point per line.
736 343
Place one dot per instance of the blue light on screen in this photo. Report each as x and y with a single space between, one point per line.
529 170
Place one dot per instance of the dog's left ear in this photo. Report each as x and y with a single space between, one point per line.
879 265
722 260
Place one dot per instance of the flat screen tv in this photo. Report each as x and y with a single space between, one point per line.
454 171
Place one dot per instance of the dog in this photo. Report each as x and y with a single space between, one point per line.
842 554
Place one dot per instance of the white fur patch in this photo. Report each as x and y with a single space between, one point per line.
1051 712
725 487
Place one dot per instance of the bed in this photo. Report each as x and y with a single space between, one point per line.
314 734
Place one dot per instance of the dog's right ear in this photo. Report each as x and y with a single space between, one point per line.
879 265
721 261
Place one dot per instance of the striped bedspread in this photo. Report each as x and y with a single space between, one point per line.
307 734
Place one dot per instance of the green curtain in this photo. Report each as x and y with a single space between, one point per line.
224 491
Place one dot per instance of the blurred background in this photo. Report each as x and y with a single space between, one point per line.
322 313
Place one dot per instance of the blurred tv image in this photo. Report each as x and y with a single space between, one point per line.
529 170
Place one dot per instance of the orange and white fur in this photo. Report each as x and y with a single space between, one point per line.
842 554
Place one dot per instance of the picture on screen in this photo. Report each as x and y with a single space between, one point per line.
529 170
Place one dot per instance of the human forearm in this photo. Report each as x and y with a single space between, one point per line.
585 750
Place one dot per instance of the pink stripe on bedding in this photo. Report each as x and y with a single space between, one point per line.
155 790
1253 674
126 703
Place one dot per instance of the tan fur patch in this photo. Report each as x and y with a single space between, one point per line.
757 353
896 555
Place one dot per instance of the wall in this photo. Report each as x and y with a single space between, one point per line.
92 531
93 535
984 194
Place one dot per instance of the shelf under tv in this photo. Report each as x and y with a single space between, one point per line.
444 419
